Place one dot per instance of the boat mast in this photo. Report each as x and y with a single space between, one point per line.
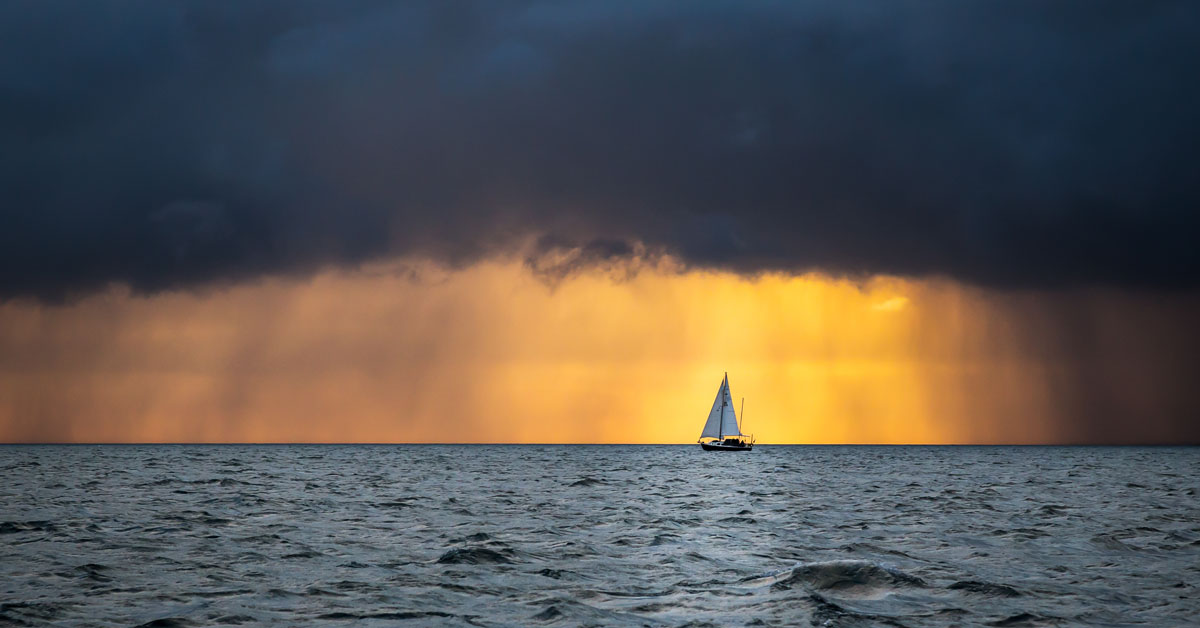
721 421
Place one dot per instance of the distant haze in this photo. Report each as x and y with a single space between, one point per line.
493 354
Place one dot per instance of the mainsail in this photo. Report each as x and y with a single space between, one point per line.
722 420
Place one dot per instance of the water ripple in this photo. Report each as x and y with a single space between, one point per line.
594 535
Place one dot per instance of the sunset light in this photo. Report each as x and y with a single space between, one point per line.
415 353
330 313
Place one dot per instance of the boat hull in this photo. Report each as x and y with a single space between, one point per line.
722 447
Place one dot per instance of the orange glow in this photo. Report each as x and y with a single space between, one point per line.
491 354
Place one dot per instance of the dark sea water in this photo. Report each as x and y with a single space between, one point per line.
599 535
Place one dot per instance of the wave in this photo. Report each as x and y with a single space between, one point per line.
1112 543
868 548
93 571
16 527
985 588
474 556
227 620
574 612
844 574
17 613
397 615
826 613
167 622
1024 620
196 516
548 614
664 539
304 553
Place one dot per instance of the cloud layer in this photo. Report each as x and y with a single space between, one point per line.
1025 144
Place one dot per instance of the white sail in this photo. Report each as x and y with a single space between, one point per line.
722 420
729 422
712 426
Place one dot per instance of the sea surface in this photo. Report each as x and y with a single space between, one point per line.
598 535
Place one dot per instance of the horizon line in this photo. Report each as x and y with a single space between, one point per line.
512 444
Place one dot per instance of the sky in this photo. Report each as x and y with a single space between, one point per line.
889 222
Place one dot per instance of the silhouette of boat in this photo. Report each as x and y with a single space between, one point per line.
721 430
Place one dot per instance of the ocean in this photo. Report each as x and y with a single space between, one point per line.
458 535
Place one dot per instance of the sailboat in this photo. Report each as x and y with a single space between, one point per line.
721 431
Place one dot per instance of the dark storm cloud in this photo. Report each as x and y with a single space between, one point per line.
1002 143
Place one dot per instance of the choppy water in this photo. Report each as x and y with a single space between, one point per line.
566 535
